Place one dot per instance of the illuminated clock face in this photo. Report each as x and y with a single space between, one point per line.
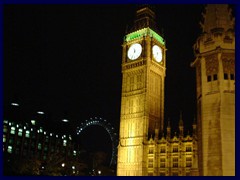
134 51
157 53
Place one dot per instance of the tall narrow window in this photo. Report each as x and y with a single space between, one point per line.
151 151
175 162
20 131
163 150
131 83
139 81
209 78
188 149
39 146
4 138
215 77
5 128
9 149
175 149
12 130
162 162
225 76
27 134
188 162
150 163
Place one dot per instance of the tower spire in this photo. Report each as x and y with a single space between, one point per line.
168 130
180 120
145 17
181 134
217 17
194 126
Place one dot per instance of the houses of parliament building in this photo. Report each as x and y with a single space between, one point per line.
143 150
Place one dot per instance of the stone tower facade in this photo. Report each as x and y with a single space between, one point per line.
215 85
142 101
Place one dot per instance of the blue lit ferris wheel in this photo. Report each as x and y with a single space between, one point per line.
109 128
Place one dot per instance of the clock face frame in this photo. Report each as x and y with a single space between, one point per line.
134 51
157 53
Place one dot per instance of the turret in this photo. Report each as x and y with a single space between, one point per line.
145 18
215 92
156 134
181 128
168 130
194 126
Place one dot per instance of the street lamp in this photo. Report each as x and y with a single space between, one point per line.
65 120
14 104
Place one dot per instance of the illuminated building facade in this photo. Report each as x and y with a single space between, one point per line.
29 140
172 155
211 149
215 82
142 103
141 150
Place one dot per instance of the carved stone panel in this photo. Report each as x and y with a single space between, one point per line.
211 64
228 63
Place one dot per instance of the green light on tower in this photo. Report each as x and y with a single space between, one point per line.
144 32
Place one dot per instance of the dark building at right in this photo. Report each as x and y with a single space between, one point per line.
215 85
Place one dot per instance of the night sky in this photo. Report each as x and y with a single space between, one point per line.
65 60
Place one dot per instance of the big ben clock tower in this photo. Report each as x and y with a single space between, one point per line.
142 101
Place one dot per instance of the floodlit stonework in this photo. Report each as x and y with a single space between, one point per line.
143 150
142 105
215 72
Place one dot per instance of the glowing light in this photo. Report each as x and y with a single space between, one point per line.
143 32
64 142
40 112
65 120
157 53
14 104
9 149
134 51
33 122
